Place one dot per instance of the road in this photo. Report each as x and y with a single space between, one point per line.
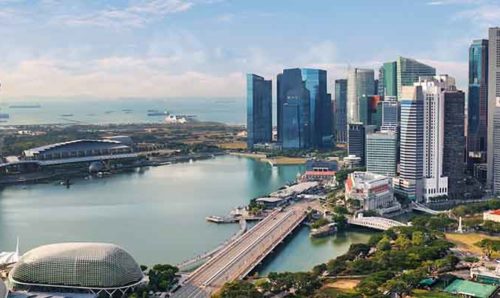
237 259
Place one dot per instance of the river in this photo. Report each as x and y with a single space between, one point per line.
158 214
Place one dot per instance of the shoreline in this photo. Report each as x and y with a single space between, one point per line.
275 161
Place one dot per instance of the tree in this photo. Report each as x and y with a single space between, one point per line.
384 244
239 289
417 238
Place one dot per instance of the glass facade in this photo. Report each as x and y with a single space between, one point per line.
390 79
360 86
356 139
408 72
477 105
341 110
382 153
305 117
259 110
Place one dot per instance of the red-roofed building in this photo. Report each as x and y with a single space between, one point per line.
492 215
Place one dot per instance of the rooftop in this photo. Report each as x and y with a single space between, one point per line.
470 288
494 212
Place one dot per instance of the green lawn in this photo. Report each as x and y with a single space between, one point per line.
431 294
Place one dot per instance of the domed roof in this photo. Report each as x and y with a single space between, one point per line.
92 265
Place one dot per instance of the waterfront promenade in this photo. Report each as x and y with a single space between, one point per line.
242 255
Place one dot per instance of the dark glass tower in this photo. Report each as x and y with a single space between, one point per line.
454 142
341 110
356 136
477 130
259 110
304 109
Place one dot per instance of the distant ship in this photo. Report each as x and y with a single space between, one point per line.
67 115
35 106
157 113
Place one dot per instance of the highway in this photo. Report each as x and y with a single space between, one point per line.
239 257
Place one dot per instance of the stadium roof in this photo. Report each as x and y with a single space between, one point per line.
469 288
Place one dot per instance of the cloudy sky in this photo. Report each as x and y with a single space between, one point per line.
203 48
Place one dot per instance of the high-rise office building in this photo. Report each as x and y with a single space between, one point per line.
493 143
408 72
382 153
390 79
259 110
477 125
304 109
409 183
454 142
360 86
341 110
375 111
381 83
356 141
433 88
390 113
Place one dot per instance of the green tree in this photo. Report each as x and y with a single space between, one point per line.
239 289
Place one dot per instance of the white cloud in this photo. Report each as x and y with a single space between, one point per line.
485 15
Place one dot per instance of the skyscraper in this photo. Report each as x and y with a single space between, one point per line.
259 110
304 109
493 143
454 142
382 153
381 83
390 113
356 139
408 72
409 183
477 129
390 79
341 110
360 86
375 111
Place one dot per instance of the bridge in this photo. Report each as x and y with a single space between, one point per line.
377 223
243 254
422 208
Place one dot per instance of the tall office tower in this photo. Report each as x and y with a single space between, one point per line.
454 142
409 70
390 113
304 109
375 87
382 153
356 139
435 183
409 183
381 83
259 110
493 143
390 79
341 110
477 129
360 86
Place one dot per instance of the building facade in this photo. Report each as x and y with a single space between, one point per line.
409 70
390 79
390 113
304 109
454 143
360 86
477 125
259 110
374 192
493 142
340 116
409 182
356 141
382 153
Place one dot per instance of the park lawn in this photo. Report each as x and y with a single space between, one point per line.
233 146
417 293
334 292
343 284
467 242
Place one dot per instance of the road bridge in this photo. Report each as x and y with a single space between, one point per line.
243 254
422 208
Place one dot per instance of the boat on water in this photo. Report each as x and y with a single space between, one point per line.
67 115
153 113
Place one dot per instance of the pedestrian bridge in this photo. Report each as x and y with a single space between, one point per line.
377 223
422 208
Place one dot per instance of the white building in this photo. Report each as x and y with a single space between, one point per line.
373 191
492 215
434 88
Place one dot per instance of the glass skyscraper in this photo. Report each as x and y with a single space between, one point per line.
360 86
341 110
390 79
304 109
493 143
408 72
356 138
477 130
259 110
382 153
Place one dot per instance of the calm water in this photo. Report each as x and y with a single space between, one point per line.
157 214
230 111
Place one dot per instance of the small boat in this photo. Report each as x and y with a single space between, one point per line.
67 115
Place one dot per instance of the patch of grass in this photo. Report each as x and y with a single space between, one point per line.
417 293
468 242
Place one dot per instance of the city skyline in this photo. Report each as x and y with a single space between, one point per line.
106 50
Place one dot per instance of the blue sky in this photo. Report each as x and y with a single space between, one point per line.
203 48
